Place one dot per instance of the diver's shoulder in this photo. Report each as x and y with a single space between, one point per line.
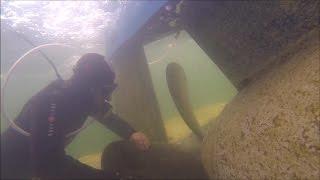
52 90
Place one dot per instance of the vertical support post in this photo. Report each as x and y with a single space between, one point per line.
135 99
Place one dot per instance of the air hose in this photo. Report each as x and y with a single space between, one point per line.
7 77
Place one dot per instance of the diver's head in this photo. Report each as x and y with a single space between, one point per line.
93 70
93 74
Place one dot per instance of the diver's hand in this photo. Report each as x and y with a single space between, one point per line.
140 140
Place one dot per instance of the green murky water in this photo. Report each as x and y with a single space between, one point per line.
208 87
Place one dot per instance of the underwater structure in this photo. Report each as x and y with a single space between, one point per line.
269 50
177 84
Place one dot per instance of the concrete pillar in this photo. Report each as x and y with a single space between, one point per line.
135 98
241 37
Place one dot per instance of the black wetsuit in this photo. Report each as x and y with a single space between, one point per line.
49 116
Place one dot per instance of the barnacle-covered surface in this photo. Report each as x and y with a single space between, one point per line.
270 130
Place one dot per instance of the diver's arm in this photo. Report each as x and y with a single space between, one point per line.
122 128
117 125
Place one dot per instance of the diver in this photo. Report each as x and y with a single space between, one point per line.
60 108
